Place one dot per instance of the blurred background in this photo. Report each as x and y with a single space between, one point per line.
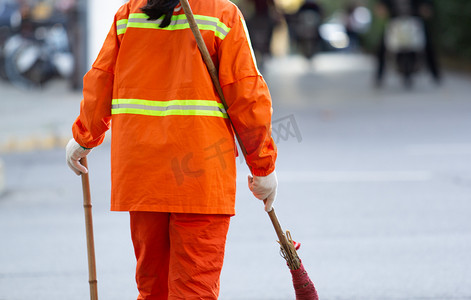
372 118
42 40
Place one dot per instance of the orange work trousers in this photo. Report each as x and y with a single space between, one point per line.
179 256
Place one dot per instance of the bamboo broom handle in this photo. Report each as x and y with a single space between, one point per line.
277 226
87 206
209 64
286 245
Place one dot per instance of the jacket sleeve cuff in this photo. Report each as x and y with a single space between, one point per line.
263 172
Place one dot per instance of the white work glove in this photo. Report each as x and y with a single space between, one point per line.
264 188
73 153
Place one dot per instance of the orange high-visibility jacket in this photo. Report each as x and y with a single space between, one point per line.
172 146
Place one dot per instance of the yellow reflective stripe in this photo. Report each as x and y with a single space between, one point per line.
122 21
139 16
168 103
213 19
167 108
170 112
121 26
156 26
179 22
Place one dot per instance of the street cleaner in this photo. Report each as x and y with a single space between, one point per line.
172 146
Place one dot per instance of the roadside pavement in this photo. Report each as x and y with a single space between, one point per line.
33 120
36 119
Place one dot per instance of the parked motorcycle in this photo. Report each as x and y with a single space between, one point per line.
38 53
10 22
405 41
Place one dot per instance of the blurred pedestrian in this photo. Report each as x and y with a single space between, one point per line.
303 27
261 24
172 148
308 21
425 10
353 25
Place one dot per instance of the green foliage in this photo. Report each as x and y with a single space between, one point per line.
331 6
453 27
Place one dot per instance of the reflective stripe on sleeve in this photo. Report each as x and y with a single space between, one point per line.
168 108
121 26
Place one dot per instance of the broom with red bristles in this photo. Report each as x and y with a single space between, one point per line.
303 285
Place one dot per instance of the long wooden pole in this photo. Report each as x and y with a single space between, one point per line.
87 206
209 64
215 78
289 252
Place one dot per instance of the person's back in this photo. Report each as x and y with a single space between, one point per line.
160 74
164 102
173 150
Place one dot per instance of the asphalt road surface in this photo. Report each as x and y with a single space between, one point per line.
375 184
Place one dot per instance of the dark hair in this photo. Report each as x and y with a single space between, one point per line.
157 8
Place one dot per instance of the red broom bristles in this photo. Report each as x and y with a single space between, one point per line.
303 286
